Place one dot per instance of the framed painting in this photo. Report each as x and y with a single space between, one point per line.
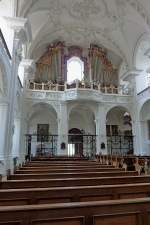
42 132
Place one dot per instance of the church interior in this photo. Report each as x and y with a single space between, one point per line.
74 112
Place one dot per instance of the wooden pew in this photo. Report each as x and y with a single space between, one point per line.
67 170
73 194
62 158
114 212
69 175
64 165
63 162
26 167
68 182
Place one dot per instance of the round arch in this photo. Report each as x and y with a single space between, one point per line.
119 131
144 37
91 107
123 107
82 118
42 113
39 104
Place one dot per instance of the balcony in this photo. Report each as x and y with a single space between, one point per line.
77 91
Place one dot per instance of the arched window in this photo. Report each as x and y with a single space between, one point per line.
75 69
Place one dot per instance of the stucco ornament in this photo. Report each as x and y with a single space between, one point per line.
86 8
55 11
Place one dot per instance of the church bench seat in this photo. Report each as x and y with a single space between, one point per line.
68 182
114 212
61 161
70 175
63 164
67 170
73 194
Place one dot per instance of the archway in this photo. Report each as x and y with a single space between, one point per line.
142 62
43 130
75 142
145 127
82 131
119 131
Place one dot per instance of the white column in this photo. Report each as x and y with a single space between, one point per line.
22 141
29 69
16 138
3 136
144 145
63 129
101 130
98 137
137 137
21 35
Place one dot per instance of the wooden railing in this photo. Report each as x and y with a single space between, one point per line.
50 86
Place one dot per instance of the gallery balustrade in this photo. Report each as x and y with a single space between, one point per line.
50 86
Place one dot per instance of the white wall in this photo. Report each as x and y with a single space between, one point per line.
82 120
141 82
6 10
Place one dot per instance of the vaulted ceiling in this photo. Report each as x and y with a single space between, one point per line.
115 24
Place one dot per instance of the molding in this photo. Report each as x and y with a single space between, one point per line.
78 95
131 74
21 27
28 65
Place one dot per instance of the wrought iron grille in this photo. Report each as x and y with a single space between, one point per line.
120 144
41 145
82 145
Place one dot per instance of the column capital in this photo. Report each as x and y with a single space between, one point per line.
29 66
21 27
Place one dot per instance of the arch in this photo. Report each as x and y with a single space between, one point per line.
42 126
147 102
75 131
141 104
119 131
118 110
91 107
82 118
41 104
143 37
123 107
42 113
75 142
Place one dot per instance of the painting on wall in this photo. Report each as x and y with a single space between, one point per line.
42 132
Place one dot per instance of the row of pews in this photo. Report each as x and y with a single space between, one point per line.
141 164
74 192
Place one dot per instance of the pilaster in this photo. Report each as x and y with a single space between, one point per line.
101 143
20 27
63 129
